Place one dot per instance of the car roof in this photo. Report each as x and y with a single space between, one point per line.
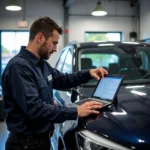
97 44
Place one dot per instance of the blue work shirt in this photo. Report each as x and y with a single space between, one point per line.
27 85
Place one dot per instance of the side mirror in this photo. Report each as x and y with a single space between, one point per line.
74 95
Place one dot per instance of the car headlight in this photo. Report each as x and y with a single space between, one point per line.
87 140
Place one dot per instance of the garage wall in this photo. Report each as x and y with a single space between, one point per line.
80 19
144 19
34 9
119 18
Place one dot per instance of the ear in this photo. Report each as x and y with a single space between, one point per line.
40 38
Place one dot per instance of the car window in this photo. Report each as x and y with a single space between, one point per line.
144 60
95 60
67 67
61 59
131 61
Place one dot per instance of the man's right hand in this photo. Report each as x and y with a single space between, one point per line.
88 108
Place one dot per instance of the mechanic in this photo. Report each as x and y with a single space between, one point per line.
27 84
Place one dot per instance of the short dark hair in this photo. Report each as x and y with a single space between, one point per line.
45 25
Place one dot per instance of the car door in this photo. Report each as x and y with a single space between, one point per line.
64 65
57 135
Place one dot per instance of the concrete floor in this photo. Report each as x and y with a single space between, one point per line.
3 135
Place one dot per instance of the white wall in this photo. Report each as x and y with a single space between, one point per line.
34 10
118 19
78 26
144 19
80 19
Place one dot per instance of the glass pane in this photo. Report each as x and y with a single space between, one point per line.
11 43
67 68
8 46
100 36
61 60
22 38
133 61
98 60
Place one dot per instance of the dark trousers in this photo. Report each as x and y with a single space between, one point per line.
28 142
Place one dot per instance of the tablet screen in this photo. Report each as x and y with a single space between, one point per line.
107 88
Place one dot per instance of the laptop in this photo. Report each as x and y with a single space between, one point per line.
107 89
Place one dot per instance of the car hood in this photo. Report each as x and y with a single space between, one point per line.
129 122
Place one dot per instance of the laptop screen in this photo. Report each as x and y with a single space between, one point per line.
107 87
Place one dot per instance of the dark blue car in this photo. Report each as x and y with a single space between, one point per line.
126 126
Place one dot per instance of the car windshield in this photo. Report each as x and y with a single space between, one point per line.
133 61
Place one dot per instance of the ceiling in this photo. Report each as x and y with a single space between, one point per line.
67 3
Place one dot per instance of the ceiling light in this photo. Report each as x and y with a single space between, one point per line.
13 6
99 10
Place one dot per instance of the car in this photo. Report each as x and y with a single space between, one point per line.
125 126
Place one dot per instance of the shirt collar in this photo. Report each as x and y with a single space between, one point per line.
29 55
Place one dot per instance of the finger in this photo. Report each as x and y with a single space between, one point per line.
94 112
94 107
105 71
101 70
86 104
94 103
96 76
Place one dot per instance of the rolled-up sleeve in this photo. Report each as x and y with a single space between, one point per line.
26 96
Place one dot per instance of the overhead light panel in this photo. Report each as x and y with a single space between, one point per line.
13 6
99 10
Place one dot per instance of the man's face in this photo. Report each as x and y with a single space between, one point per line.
49 46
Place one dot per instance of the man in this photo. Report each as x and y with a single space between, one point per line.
27 84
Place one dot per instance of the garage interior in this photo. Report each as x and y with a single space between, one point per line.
129 18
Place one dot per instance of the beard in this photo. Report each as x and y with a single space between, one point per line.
43 51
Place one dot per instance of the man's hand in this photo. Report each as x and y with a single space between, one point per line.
88 108
98 73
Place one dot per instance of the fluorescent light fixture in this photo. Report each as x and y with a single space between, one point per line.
13 6
138 93
99 10
136 86
108 44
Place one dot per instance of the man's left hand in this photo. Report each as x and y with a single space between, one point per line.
98 73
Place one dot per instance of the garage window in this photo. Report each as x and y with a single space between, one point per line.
11 41
103 36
